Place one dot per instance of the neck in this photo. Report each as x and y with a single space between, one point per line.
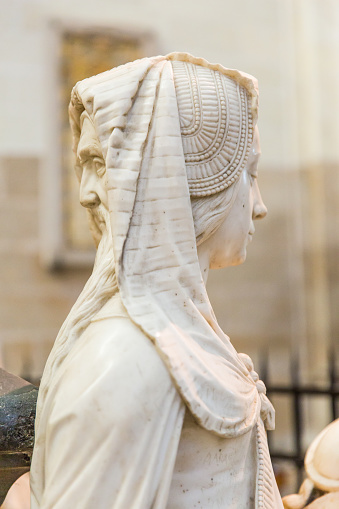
204 260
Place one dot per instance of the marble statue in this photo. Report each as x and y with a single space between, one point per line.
144 402
320 490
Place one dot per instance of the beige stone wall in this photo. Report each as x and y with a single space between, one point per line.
33 302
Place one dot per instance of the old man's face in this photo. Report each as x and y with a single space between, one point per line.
91 171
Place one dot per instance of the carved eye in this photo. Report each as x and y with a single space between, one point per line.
99 166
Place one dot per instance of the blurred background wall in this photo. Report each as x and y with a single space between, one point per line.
283 301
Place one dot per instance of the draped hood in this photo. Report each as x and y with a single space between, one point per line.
135 112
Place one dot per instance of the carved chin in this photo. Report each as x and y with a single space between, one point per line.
230 261
238 258
242 258
241 255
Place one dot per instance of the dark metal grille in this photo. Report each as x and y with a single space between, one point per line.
296 391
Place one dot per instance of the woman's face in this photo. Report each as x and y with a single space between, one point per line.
227 246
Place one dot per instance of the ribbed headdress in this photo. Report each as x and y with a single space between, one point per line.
170 127
216 126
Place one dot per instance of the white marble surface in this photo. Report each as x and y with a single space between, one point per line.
170 183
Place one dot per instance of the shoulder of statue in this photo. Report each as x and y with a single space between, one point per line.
113 308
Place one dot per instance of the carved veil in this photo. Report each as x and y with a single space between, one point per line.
134 109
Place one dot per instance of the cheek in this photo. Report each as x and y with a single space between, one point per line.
246 213
230 241
231 249
102 188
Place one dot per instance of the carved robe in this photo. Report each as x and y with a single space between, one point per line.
110 421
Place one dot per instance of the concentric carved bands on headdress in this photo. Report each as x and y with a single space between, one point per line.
216 127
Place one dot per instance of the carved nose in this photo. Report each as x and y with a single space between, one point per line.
259 210
90 200
259 207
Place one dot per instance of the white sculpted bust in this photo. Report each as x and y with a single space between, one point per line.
320 489
144 402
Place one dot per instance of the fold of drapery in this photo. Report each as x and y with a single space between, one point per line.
135 114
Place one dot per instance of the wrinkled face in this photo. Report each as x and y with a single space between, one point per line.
227 246
91 170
